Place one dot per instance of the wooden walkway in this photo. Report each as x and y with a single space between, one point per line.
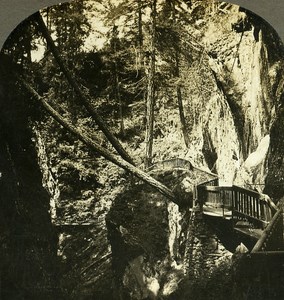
253 214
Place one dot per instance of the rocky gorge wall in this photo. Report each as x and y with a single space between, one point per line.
28 268
230 93
247 57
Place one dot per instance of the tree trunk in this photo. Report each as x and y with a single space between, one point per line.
116 79
84 99
182 117
178 89
99 149
180 105
150 101
139 38
118 96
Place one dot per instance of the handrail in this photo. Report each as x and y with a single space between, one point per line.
213 188
172 162
252 205
244 203
180 163
211 182
245 190
215 196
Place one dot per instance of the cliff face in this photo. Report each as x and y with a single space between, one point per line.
230 97
275 176
245 65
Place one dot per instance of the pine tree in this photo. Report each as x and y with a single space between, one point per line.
171 31
177 75
83 98
150 101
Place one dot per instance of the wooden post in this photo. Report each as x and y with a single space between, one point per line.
251 205
247 204
200 197
257 208
254 206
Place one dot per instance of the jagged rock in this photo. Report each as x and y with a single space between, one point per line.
241 249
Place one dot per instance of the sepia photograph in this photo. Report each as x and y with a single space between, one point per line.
142 153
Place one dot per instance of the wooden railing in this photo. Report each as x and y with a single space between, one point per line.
178 163
215 196
254 207
245 204
198 194
211 182
172 163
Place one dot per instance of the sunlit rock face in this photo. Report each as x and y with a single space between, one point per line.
230 94
246 59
